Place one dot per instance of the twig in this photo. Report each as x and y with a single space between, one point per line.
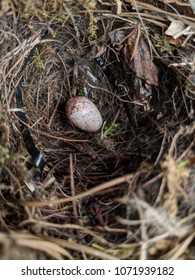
72 186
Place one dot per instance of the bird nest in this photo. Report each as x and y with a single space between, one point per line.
102 185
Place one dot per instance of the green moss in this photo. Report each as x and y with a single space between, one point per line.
161 43
38 62
109 129
93 27
190 86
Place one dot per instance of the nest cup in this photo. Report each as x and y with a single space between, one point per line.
47 91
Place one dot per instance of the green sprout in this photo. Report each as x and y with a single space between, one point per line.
122 252
183 167
109 129
182 164
38 63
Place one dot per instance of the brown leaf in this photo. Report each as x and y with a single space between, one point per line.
176 42
138 58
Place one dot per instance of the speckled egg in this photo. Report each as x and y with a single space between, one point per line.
83 113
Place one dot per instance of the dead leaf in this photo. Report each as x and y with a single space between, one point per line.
139 60
176 42
177 29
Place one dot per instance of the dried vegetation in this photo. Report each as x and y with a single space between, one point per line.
127 191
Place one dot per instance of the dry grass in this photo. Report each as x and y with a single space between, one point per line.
126 192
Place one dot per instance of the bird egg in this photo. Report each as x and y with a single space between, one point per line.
83 114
